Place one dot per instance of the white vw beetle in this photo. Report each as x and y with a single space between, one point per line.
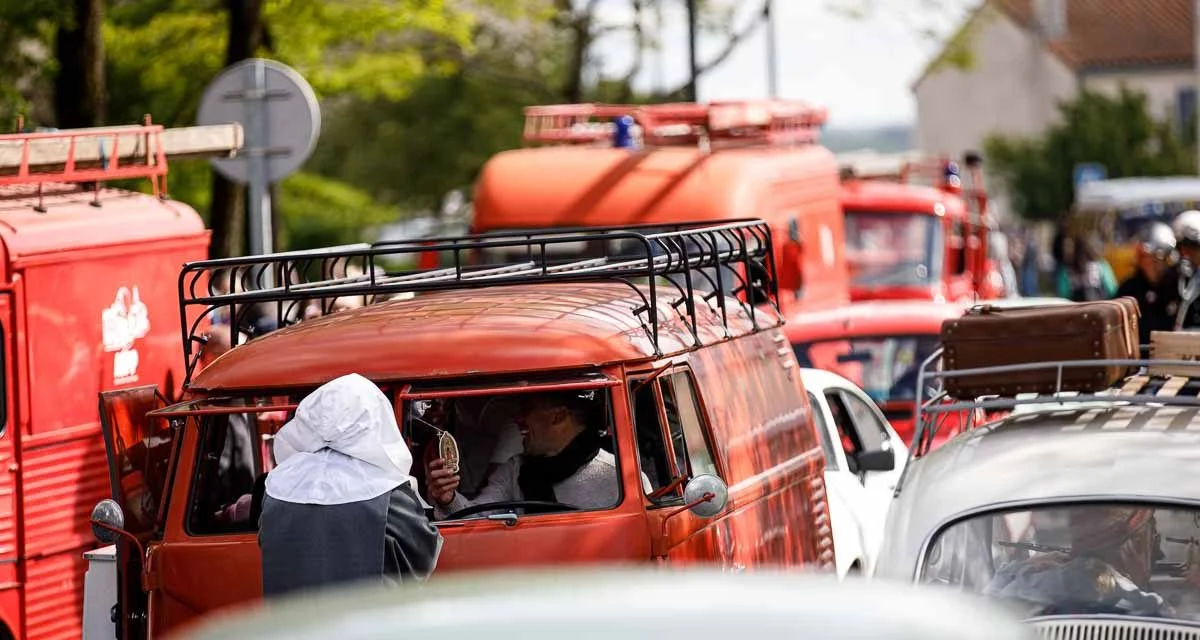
864 458
1080 511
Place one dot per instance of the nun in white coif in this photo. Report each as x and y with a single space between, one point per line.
341 505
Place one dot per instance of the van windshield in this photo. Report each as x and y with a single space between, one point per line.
884 366
893 249
1108 559
520 453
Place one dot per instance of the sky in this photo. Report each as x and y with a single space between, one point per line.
861 69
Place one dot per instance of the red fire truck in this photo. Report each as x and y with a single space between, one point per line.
621 167
88 303
919 232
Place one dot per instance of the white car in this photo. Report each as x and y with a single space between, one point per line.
864 457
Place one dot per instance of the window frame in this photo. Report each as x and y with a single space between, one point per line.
885 438
832 461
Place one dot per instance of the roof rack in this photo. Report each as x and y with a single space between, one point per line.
702 263
711 125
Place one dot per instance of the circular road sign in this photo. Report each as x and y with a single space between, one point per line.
278 111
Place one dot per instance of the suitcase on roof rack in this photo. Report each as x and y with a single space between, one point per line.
986 337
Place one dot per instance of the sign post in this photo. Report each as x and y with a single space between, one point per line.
279 113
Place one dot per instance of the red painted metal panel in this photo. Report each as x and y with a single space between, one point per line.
54 597
61 481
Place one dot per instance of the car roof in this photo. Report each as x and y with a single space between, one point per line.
1066 453
819 379
629 603
488 331
873 317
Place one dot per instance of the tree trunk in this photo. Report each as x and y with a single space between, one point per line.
80 99
245 38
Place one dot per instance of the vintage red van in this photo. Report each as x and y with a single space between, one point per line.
919 234
693 389
87 304
879 345
589 166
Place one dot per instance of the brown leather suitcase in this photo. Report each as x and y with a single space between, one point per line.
987 337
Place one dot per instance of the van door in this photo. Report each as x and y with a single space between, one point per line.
139 459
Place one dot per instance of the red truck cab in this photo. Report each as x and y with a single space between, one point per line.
88 303
908 240
879 345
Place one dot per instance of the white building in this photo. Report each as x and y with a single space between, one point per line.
1029 55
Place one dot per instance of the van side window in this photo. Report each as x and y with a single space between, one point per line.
656 459
679 398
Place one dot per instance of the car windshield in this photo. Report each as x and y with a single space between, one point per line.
1141 560
884 366
893 249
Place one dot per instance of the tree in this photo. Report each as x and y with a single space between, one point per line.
80 93
1115 130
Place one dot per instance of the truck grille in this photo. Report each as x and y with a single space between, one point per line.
1114 629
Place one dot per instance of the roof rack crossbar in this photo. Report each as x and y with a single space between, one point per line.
740 250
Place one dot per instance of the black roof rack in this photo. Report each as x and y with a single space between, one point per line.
702 262
1140 389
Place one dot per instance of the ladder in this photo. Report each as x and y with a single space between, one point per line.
710 125
99 154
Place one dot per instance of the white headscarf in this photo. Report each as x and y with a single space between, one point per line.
342 446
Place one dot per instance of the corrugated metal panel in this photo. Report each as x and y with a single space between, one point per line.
62 479
54 597
8 503
820 514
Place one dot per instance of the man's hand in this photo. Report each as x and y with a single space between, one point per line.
442 483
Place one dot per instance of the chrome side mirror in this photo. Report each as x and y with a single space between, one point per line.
699 487
107 512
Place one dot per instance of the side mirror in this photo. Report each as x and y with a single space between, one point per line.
107 512
877 460
704 485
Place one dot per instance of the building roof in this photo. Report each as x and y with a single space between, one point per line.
1104 34
1117 33
491 331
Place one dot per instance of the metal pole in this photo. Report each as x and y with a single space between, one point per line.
772 61
693 64
255 86
1196 97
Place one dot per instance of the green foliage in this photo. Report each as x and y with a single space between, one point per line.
1117 131
319 212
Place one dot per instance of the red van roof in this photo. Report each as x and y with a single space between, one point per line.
71 222
520 328
587 186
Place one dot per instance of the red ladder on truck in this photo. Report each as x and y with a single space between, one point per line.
716 124
100 154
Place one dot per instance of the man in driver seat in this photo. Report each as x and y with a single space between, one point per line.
563 462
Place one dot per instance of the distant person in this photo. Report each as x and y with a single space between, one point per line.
1087 277
1179 283
1153 254
341 506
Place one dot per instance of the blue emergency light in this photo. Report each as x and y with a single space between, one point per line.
623 133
